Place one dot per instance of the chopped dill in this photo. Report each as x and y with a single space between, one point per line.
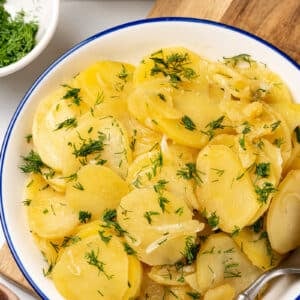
189 171
190 250
73 94
188 123
264 192
32 163
128 249
84 216
262 170
104 238
148 215
92 259
213 220
67 124
212 126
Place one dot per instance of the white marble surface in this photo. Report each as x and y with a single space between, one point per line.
78 20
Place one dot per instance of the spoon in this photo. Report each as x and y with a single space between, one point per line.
291 265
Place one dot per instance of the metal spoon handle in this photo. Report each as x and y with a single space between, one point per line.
251 292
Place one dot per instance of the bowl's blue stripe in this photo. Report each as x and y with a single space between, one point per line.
53 65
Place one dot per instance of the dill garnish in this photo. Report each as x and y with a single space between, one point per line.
212 126
32 163
194 295
189 171
262 170
68 123
188 123
264 192
128 249
72 93
190 250
17 37
84 216
173 66
213 220
104 238
235 60
92 259
148 215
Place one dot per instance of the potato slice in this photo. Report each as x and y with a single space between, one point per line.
54 117
159 226
49 212
93 267
178 65
97 141
95 189
220 261
227 190
221 292
153 167
104 81
171 275
135 277
257 247
284 235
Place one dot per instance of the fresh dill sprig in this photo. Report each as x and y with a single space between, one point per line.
32 163
262 169
105 238
189 171
212 126
188 123
73 94
128 249
213 220
84 216
264 191
148 215
190 250
92 259
67 124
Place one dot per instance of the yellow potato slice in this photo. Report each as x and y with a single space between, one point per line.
93 267
104 81
97 141
159 226
220 261
54 118
151 168
49 213
171 275
257 247
95 189
283 216
135 277
178 65
224 291
227 190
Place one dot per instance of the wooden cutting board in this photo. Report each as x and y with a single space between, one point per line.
276 21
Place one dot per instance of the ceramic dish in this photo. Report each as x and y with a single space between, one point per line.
46 14
128 42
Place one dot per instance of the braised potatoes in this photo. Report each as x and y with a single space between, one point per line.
164 180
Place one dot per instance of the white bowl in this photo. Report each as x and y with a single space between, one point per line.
46 13
128 42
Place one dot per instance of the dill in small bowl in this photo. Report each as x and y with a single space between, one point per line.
17 36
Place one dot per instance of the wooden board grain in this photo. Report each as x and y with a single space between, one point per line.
276 21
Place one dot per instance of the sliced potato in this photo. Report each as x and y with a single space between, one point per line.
95 189
54 118
158 226
49 212
98 141
104 81
93 267
227 190
284 235
257 248
171 275
220 261
221 292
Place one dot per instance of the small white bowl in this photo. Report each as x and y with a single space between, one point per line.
46 13
129 43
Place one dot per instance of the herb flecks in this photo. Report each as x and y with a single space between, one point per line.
264 192
262 170
32 163
149 214
174 66
212 126
188 123
73 94
213 220
237 59
67 124
17 36
189 172
84 216
92 259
